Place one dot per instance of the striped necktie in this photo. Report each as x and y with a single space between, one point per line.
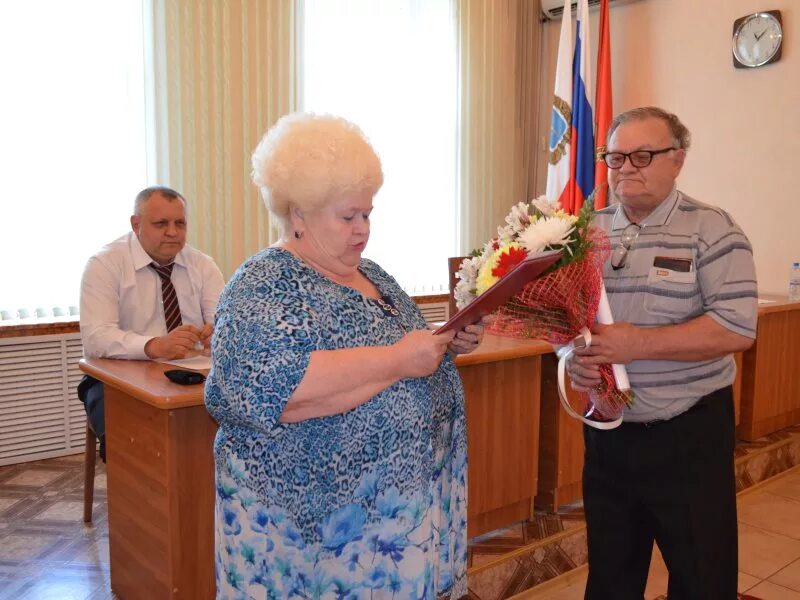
172 310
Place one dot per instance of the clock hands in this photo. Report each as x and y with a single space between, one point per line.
759 36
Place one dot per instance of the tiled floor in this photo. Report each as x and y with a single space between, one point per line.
510 562
46 551
769 548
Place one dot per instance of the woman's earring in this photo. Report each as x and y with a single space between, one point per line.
297 235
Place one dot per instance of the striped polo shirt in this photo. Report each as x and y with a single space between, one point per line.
720 283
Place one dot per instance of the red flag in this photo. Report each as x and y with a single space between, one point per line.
602 106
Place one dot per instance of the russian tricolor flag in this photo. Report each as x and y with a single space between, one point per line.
570 174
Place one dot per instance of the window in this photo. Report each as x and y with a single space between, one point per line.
73 146
390 66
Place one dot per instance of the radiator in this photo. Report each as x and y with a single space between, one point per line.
40 414
435 311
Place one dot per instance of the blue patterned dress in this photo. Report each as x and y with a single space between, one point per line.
366 504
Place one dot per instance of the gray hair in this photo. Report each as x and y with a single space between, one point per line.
680 134
161 190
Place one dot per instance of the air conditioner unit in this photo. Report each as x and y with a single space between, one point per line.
553 9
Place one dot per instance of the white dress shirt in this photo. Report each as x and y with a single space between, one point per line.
121 302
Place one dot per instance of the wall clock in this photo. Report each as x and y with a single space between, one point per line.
757 39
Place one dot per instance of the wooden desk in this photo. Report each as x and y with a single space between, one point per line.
161 472
771 371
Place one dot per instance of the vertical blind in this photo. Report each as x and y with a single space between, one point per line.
498 67
224 72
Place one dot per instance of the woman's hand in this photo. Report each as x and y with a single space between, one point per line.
467 339
420 352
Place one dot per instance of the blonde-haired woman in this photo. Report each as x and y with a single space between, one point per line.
341 451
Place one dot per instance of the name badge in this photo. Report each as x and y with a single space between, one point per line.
681 265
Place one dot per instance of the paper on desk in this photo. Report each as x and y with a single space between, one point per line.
765 301
196 363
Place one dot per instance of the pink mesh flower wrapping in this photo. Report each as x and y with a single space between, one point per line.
556 306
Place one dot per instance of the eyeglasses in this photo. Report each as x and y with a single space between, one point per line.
626 239
639 158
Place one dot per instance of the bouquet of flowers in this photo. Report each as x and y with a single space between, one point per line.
558 306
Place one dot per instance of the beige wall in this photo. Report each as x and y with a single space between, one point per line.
745 124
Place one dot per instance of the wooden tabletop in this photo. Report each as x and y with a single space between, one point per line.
144 380
777 304
495 348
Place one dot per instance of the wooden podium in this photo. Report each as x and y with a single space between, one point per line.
161 470
502 393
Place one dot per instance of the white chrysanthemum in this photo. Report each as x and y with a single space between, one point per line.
545 206
548 232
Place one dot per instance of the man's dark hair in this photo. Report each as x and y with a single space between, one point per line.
680 134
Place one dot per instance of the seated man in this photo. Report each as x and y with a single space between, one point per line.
146 295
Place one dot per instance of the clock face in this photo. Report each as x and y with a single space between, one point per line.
757 39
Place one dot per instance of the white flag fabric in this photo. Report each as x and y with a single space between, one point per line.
558 166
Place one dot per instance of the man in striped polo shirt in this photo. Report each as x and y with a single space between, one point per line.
682 287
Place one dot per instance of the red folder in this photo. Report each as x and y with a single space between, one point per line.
505 287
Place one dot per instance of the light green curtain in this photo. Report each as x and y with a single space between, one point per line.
224 72
499 50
